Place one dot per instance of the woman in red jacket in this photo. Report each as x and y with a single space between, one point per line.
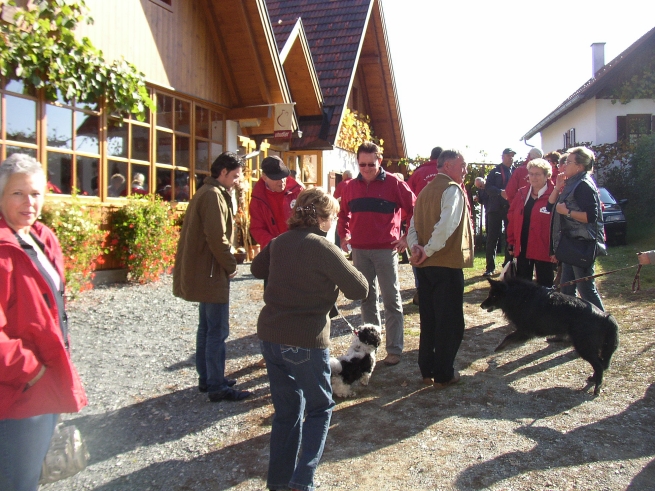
528 231
37 378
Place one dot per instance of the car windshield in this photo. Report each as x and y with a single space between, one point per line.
606 197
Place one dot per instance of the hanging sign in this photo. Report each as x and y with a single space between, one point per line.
283 119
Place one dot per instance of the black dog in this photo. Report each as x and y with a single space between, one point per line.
539 311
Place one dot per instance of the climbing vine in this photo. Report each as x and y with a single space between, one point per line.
40 48
355 130
639 86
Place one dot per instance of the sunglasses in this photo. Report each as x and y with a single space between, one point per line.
367 165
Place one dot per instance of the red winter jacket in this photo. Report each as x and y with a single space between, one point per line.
30 336
422 176
518 180
539 235
263 223
371 213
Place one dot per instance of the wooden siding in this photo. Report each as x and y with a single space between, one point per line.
173 48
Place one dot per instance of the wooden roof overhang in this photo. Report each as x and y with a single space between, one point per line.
375 72
301 73
246 47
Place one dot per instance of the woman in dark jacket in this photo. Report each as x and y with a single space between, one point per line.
305 273
37 378
577 216
528 233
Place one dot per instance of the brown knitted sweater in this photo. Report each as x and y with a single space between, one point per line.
305 273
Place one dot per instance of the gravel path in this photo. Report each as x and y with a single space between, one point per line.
518 421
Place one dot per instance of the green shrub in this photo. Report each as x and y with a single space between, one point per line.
144 237
78 229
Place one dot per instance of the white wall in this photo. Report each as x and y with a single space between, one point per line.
594 121
338 160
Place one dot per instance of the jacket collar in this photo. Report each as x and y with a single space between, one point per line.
382 175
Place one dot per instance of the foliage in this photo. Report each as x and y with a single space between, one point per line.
642 166
78 229
639 86
41 49
144 237
355 130
411 164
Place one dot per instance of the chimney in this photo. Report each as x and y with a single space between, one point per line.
597 57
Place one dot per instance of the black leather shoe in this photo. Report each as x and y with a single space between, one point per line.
229 395
230 383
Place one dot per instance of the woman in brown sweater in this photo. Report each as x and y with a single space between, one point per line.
305 273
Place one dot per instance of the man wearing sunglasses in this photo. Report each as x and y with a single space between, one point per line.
369 224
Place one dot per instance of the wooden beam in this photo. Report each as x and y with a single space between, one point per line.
219 45
257 61
369 59
249 112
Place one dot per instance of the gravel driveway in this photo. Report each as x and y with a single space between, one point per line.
517 421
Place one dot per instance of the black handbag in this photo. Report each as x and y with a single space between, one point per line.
576 252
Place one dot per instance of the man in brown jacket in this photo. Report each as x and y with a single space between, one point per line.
441 240
204 264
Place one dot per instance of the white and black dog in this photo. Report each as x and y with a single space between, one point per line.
358 363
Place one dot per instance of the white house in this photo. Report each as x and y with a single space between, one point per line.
590 115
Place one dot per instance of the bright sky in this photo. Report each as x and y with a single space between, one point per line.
481 74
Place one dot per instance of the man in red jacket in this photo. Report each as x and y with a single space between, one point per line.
520 175
272 201
425 173
369 222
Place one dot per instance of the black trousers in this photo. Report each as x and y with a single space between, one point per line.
526 267
495 222
441 299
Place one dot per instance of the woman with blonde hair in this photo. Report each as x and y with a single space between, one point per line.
528 233
305 272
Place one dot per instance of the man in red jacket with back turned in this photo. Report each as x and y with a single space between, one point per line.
369 221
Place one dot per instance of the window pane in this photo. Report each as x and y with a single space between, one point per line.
60 172
164 147
200 180
140 142
164 111
60 126
140 184
182 116
27 151
86 139
216 150
181 185
182 157
117 181
202 155
164 179
90 106
116 138
18 87
21 119
202 122
217 127
87 176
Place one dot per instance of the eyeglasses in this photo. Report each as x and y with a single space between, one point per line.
367 165
535 174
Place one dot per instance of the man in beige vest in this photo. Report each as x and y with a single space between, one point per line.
441 240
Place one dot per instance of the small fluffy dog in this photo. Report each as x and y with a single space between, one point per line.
358 363
538 311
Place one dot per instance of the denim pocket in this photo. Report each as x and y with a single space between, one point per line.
294 354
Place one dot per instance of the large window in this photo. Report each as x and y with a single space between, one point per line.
631 127
169 153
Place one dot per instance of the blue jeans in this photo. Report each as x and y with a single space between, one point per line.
23 445
213 330
586 289
300 387
383 265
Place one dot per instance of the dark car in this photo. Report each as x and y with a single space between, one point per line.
613 217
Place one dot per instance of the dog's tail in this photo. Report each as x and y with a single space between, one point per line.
611 341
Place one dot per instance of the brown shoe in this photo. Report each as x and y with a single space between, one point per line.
261 363
452 381
391 360
428 381
415 299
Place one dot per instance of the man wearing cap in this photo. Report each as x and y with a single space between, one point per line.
496 207
369 222
272 201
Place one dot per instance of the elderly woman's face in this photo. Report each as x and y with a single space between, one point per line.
537 178
22 200
572 167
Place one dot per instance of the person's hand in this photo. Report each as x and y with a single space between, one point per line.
553 259
503 194
38 377
418 255
559 181
400 245
233 274
562 209
345 242
643 258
